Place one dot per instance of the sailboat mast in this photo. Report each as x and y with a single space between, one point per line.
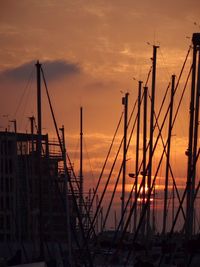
196 133
137 152
67 205
168 155
39 151
190 176
151 130
144 154
81 162
39 109
125 103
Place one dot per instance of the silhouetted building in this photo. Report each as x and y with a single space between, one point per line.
22 195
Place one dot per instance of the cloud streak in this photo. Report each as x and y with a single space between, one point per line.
53 70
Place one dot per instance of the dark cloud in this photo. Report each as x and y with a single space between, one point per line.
53 70
101 85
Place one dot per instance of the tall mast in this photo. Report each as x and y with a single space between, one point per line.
81 162
125 103
151 130
39 151
168 155
144 154
66 181
39 109
196 127
137 152
190 152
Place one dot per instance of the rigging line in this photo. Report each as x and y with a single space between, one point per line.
72 226
52 112
54 120
176 87
22 96
72 169
85 240
180 75
130 194
182 69
164 63
57 132
90 165
176 217
105 188
87 213
113 195
170 168
163 123
108 180
162 140
158 166
148 76
167 113
198 186
99 204
146 151
108 210
163 101
145 206
74 155
195 195
105 162
181 98
176 113
132 209
170 198
62 150
128 219
83 201
154 126
26 99
178 211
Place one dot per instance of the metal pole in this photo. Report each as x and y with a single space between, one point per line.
168 155
67 197
196 126
125 103
151 130
144 154
137 152
39 154
39 109
188 224
81 163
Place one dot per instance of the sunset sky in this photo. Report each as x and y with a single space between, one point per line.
90 51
